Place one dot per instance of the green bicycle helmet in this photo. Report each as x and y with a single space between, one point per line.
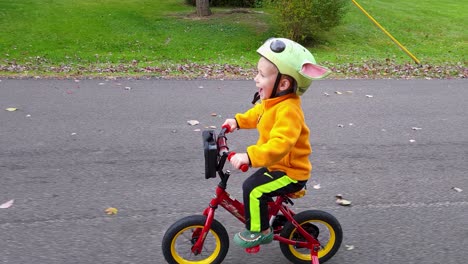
294 60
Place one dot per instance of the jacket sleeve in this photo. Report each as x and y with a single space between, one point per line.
283 136
248 119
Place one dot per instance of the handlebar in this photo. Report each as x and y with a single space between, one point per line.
223 148
221 141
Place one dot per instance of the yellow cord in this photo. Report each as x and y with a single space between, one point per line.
387 33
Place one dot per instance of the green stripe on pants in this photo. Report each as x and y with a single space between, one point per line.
257 192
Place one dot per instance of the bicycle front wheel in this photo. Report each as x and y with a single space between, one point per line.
182 235
322 226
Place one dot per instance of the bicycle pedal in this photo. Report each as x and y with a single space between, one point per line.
253 250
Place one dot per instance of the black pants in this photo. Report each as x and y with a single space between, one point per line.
258 188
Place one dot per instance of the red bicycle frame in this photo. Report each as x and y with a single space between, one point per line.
236 208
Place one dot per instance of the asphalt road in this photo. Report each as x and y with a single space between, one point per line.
395 148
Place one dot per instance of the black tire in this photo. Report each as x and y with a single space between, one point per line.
323 226
183 229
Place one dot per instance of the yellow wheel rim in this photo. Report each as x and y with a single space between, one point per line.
325 248
187 252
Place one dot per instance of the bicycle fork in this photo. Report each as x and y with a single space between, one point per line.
200 233
222 198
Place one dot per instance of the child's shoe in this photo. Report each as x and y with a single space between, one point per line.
247 239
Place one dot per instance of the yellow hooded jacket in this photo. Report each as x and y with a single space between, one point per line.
283 143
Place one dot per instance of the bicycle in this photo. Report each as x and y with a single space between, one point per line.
311 236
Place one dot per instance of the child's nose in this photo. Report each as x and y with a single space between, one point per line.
255 79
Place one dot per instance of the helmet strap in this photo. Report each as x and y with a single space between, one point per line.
288 91
275 87
275 93
256 98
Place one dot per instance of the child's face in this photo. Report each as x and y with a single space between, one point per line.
266 77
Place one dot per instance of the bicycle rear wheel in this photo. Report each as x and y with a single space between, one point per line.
183 234
322 226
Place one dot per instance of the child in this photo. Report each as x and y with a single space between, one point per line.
285 71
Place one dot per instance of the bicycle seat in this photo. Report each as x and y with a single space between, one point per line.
294 195
297 195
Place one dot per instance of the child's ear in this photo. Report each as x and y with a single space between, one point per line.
314 71
285 83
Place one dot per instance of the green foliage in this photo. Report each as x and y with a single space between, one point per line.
229 3
306 20
233 3
71 34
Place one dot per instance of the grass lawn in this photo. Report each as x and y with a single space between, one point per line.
434 31
61 37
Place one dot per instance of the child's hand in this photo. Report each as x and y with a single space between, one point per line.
240 159
232 123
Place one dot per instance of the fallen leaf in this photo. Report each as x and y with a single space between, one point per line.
457 189
11 109
111 211
193 122
7 204
369 96
338 92
326 94
349 247
341 201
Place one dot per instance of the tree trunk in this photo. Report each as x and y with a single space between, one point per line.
203 8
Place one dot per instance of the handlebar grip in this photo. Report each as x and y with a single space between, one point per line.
232 153
243 167
227 127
